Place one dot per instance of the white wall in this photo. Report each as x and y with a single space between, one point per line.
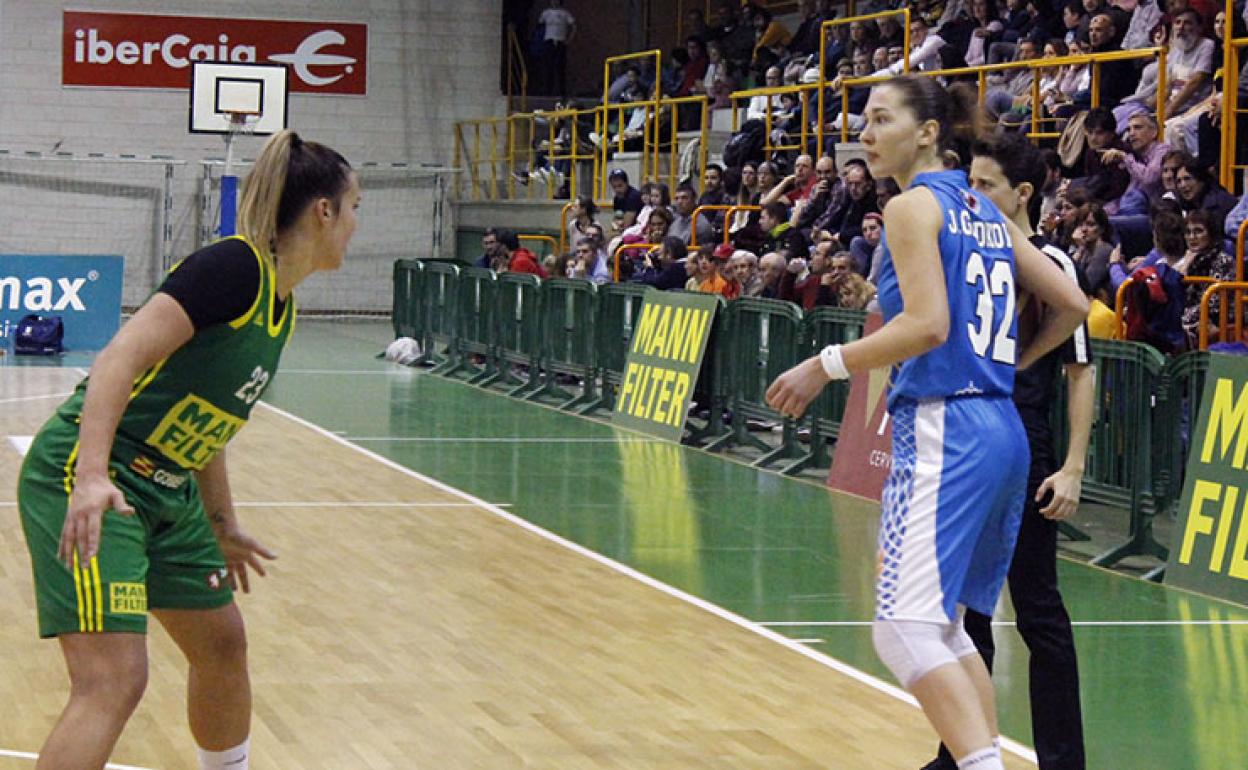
431 62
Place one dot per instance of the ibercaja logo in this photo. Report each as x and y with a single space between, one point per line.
132 50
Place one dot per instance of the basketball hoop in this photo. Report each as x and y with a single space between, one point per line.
241 122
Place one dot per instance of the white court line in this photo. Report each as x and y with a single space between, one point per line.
836 665
810 641
1087 623
337 504
35 398
506 440
33 757
21 443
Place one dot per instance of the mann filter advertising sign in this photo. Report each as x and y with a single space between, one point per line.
664 357
136 50
1209 549
85 291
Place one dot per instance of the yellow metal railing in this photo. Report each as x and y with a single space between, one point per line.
615 257
517 71
904 13
1231 110
802 92
1224 326
552 245
728 215
981 74
693 233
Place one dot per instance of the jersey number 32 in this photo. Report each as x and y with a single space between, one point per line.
991 336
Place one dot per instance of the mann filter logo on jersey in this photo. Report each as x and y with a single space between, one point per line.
193 431
135 50
127 598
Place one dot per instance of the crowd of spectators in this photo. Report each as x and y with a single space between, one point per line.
1120 199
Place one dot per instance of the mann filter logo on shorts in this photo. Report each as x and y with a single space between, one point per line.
41 293
193 431
127 598
152 51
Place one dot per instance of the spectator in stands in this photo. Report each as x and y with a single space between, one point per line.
737 39
1073 17
890 31
581 217
1205 257
1189 67
827 198
695 24
850 290
1146 16
744 265
1009 100
1199 191
771 270
845 224
749 183
925 48
1142 163
654 195
713 193
806 40
1091 239
864 37
1104 183
879 58
1048 200
1169 246
1236 218
560 29
762 104
710 261
492 257
867 248
664 269
769 34
885 190
627 198
682 223
803 283
1119 18
1118 78
718 74
988 27
796 186
518 258
695 70
768 180
781 236
587 265
659 225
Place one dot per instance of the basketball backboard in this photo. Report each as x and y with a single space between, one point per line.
222 91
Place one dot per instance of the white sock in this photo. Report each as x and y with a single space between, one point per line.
984 759
230 759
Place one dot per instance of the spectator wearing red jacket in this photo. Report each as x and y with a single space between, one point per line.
519 259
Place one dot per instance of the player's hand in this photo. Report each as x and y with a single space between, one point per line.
242 551
793 391
1065 486
81 532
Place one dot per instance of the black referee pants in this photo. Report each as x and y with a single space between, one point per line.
1056 716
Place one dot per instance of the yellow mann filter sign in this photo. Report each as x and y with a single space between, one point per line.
193 431
665 354
1210 549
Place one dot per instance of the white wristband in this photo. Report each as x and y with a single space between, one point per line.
834 362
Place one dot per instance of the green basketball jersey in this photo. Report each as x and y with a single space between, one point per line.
188 406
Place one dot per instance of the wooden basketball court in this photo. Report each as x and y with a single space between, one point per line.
592 598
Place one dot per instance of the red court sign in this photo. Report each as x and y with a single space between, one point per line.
864 449
136 50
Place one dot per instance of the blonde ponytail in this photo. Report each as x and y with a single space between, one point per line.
262 193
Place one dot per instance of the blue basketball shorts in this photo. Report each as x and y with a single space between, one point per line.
951 507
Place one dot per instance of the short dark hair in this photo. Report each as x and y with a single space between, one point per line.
1020 162
777 210
1190 11
715 167
1167 222
1101 118
618 173
507 239
675 247
687 188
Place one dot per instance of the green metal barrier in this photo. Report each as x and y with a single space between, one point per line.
518 341
619 306
765 340
437 311
408 284
476 325
821 327
1120 457
713 390
567 331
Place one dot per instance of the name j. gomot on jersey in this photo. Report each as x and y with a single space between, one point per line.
989 235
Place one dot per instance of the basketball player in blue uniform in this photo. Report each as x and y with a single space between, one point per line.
953 499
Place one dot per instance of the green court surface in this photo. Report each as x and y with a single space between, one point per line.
1164 672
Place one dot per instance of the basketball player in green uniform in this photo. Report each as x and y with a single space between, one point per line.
124 496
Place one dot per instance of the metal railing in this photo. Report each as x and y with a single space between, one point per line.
1224 318
732 210
802 92
1231 108
693 231
904 13
517 72
615 256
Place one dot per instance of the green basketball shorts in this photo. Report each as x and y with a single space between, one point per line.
163 557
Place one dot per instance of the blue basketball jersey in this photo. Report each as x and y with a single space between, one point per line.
979 356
